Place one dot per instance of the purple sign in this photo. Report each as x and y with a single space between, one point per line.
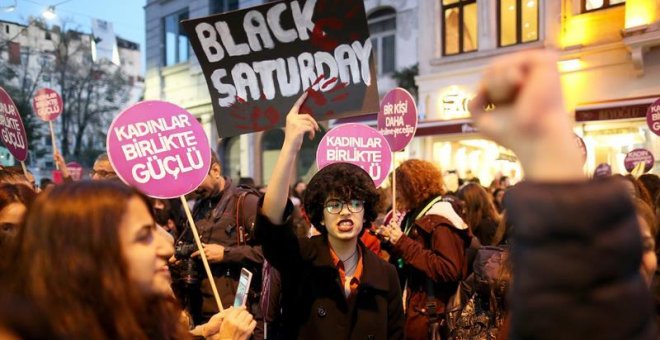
636 156
47 104
397 119
75 170
12 130
653 117
579 142
603 170
356 144
159 148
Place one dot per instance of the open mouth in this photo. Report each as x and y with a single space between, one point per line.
345 225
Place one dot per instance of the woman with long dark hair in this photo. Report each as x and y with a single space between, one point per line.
91 261
480 212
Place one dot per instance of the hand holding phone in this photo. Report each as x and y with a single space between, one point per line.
243 288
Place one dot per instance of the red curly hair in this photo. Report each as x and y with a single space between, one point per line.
416 182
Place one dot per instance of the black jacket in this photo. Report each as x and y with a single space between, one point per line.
576 255
313 302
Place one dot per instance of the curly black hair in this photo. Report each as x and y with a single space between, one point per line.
343 181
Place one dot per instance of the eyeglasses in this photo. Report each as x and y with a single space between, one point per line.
336 206
102 173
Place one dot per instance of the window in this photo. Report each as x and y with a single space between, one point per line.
518 21
14 53
594 5
221 6
175 39
459 26
382 27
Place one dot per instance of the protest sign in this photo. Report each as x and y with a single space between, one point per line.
639 156
579 143
397 118
653 117
159 148
12 130
356 144
603 170
47 104
258 61
75 170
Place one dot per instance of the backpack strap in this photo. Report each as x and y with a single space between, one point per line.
422 213
240 218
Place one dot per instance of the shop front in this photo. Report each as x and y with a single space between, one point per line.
613 128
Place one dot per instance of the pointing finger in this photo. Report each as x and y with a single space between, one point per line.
298 104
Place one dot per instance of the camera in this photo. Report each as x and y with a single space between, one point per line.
186 268
184 250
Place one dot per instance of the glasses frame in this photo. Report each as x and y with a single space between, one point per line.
343 204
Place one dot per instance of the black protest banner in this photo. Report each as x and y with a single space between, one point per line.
258 61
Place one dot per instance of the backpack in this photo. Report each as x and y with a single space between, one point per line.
478 308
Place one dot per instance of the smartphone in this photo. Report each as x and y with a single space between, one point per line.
243 287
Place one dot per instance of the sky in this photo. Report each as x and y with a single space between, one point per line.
127 16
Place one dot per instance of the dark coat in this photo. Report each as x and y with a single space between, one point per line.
216 221
576 255
433 252
313 303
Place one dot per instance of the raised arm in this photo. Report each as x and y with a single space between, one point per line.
297 125
576 250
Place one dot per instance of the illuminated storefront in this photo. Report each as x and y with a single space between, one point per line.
613 128
609 64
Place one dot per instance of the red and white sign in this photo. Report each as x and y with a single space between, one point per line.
75 170
47 104
397 119
356 144
159 148
636 156
12 130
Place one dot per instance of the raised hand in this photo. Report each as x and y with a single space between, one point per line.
529 116
298 124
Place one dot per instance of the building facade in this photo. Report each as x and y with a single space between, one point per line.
609 64
29 52
174 74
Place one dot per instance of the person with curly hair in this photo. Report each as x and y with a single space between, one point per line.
429 243
332 287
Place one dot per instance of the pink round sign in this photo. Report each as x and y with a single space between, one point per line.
603 170
356 144
159 148
579 143
636 156
397 119
75 170
12 130
47 104
653 117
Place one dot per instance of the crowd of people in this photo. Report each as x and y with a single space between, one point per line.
556 256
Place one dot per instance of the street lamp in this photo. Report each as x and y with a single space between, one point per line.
49 13
9 8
